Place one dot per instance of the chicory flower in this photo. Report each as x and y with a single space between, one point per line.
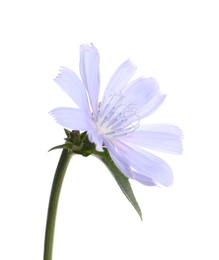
114 122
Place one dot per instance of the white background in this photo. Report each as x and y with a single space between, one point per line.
174 41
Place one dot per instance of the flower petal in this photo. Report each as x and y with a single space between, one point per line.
72 118
140 165
73 87
145 95
126 170
160 137
89 69
96 138
121 76
119 80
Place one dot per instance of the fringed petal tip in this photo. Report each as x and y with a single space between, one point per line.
129 64
88 47
70 83
71 118
144 93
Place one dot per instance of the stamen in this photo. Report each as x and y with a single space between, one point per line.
117 118
114 101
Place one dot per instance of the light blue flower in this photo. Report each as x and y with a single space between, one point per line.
115 121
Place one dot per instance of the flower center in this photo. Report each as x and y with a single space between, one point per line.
117 117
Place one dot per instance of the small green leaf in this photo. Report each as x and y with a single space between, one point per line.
120 178
62 146
67 132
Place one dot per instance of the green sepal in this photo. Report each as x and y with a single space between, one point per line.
62 146
77 143
67 132
120 178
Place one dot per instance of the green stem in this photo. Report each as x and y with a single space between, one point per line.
53 202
